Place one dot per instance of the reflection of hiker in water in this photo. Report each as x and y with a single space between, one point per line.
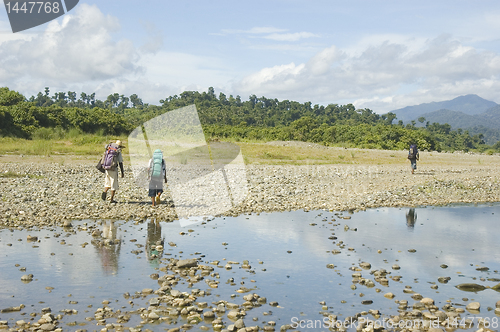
411 216
154 243
108 247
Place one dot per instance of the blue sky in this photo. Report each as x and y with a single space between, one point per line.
381 55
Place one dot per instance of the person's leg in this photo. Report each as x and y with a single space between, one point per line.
112 196
104 193
152 194
107 185
114 184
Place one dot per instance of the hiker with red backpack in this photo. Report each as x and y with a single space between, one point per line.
110 161
413 156
156 175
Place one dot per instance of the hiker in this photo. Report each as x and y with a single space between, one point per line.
413 156
156 175
110 161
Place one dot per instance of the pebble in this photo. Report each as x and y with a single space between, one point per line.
473 306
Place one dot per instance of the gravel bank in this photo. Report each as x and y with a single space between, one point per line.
50 193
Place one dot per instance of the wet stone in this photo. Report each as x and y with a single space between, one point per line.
427 301
47 327
474 306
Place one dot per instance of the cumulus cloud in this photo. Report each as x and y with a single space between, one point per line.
375 76
78 49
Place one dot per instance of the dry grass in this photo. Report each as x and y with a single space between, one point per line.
273 153
301 154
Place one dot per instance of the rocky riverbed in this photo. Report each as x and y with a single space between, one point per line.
35 191
38 192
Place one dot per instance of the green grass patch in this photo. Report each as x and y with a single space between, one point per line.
10 174
72 144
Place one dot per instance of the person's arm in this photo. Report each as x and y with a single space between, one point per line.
164 170
418 156
121 168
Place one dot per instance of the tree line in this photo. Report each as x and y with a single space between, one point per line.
228 117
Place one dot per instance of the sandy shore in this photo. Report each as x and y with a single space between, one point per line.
54 189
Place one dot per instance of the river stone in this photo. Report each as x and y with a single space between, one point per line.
47 327
470 287
208 314
444 280
232 305
154 301
147 291
233 314
27 277
365 265
239 324
427 301
497 305
473 306
434 329
183 263
248 297
175 329
389 295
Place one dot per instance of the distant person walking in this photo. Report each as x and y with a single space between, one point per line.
413 156
156 175
110 161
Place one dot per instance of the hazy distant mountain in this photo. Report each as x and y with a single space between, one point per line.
469 104
454 118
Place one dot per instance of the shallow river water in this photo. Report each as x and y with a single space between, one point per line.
289 254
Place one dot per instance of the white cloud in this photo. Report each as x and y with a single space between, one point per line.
374 76
290 36
271 33
254 30
78 49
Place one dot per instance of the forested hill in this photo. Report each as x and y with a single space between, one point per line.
257 118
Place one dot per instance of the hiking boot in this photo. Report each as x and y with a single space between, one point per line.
103 195
113 202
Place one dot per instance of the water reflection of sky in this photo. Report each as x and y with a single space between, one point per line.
294 250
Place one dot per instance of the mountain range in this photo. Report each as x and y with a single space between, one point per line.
469 112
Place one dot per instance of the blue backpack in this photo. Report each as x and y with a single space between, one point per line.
156 172
412 154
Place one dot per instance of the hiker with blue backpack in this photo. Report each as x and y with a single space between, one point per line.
110 161
156 175
413 156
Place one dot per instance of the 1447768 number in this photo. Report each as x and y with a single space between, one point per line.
32 7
